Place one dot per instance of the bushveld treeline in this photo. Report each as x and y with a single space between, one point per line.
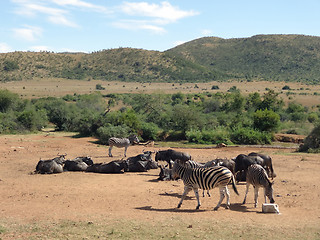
210 118
262 57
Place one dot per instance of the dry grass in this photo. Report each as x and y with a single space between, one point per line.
302 93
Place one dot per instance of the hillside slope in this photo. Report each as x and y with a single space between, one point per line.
268 57
261 57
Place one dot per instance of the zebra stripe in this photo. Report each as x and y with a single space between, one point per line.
193 164
258 177
122 142
205 178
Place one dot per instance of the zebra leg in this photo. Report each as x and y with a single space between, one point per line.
186 191
256 193
110 148
221 198
228 197
245 196
203 195
197 196
125 151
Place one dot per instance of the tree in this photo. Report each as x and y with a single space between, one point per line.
266 120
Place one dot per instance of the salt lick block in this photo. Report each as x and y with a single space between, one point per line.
270 208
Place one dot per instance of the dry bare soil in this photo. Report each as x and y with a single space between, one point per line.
79 205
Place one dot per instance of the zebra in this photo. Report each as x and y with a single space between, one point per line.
194 164
204 178
122 142
258 177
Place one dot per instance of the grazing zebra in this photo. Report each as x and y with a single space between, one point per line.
122 142
204 178
258 177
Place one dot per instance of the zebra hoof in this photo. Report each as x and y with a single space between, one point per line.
227 207
197 208
179 205
216 209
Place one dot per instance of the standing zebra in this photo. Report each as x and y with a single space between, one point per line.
258 177
122 142
194 164
204 178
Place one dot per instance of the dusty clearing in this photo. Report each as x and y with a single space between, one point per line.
77 196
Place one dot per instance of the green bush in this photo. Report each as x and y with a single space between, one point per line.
266 120
33 120
106 132
216 136
250 136
150 131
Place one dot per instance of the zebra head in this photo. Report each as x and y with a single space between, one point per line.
133 139
269 191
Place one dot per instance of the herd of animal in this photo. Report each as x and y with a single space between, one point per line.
256 169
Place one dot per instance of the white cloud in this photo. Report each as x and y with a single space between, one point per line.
4 48
83 5
155 16
164 11
29 33
34 8
135 25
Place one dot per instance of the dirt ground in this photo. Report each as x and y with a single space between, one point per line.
77 196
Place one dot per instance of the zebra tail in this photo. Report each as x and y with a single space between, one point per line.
234 185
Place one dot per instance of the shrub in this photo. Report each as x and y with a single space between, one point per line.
216 136
106 132
150 131
250 136
312 142
266 120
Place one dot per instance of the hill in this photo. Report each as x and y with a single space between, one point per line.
262 57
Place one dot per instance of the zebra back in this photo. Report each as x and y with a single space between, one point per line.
204 178
119 142
257 176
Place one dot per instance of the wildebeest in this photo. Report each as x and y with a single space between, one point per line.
171 155
267 163
142 162
242 162
165 173
228 163
77 164
117 166
54 165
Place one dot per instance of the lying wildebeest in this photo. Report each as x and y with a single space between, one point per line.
142 162
267 163
78 164
54 165
172 155
117 166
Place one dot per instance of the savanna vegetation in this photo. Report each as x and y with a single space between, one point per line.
262 57
202 118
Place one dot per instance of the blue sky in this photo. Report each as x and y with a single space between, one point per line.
87 26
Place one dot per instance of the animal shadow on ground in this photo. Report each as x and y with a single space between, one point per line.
150 208
176 195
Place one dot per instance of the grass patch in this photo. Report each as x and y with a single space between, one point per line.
171 228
